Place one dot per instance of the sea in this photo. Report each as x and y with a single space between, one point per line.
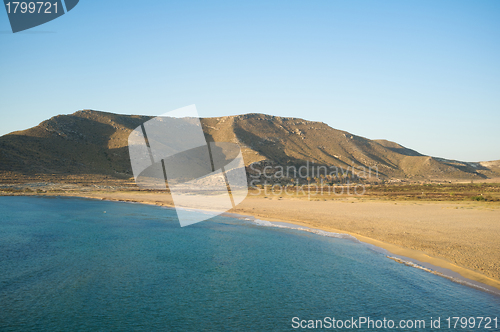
73 264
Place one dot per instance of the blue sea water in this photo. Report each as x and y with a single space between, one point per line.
70 264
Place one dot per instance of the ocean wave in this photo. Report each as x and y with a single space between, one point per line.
267 223
460 280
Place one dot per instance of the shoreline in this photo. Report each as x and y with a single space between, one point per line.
437 265
412 262
432 265
402 255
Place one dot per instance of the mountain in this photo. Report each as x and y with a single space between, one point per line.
95 143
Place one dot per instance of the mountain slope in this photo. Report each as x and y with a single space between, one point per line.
92 142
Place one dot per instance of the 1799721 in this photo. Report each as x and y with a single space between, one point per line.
31 7
25 15
472 322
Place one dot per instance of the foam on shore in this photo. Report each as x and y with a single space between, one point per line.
302 228
427 267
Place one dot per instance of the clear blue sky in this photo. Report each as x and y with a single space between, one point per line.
425 74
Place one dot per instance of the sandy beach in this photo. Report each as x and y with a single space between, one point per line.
460 236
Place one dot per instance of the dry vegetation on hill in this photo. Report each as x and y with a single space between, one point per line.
92 145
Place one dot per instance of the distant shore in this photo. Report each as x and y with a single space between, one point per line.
458 236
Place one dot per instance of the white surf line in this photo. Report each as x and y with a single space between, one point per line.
443 272
427 267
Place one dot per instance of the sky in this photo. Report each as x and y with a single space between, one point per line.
425 74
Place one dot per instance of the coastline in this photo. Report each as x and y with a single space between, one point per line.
442 271
434 265
403 255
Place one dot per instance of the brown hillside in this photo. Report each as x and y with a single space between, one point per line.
92 142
